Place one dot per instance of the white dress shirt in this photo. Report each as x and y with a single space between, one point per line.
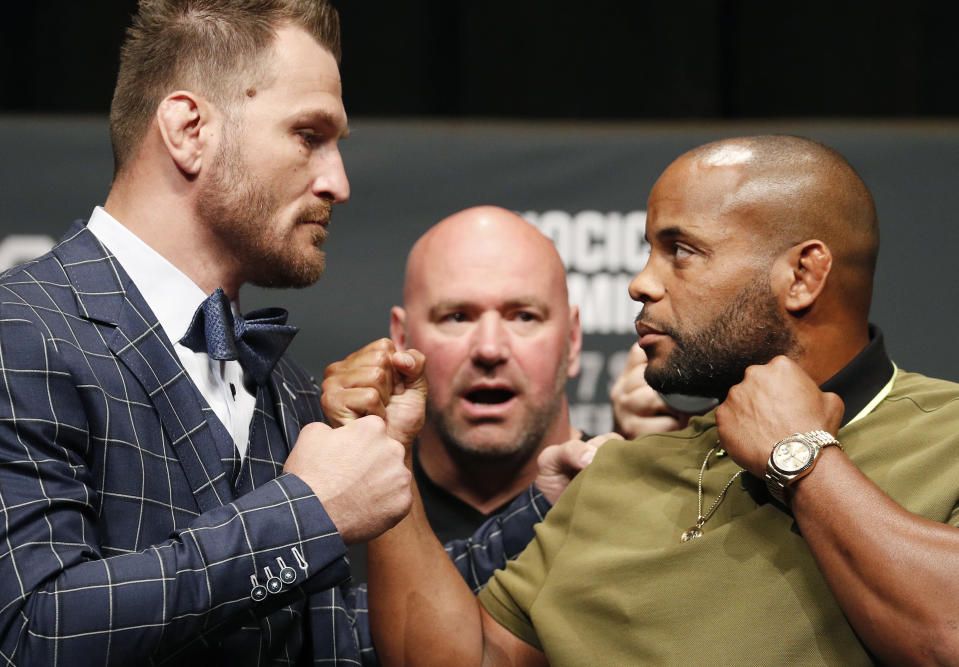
174 298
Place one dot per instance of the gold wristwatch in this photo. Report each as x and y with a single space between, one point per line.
793 458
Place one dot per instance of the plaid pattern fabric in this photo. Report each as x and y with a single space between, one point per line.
132 532
124 541
500 539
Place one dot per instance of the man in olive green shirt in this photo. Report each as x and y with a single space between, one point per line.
663 551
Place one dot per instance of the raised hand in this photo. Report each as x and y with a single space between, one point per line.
772 402
358 473
559 464
378 380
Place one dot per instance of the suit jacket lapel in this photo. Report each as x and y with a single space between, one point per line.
292 401
106 294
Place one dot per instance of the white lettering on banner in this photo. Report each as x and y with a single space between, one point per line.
602 253
595 242
590 370
604 303
18 248
592 365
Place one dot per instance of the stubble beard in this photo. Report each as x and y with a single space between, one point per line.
464 445
710 361
243 215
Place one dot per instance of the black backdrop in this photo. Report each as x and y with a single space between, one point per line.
559 58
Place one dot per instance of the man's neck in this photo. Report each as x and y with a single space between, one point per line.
166 223
482 482
827 348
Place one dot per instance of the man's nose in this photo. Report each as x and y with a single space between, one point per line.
331 181
490 345
645 286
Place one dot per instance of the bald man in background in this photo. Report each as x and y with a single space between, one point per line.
663 550
485 301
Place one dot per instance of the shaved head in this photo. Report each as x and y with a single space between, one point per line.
485 300
487 234
760 246
792 189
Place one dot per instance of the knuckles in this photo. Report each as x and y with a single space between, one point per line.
373 423
377 375
332 371
376 353
314 429
370 396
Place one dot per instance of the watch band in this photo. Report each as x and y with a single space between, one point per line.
777 480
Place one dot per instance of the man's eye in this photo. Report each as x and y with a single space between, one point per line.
310 138
524 316
454 317
681 251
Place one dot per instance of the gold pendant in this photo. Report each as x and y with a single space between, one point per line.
691 534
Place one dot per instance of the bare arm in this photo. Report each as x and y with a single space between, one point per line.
892 572
421 610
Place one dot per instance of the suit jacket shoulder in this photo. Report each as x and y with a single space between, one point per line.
121 539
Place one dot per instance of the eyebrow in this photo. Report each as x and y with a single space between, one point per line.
672 234
524 301
323 117
669 233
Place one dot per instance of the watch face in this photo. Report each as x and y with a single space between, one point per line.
792 455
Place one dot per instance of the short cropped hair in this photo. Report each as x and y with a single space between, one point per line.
202 45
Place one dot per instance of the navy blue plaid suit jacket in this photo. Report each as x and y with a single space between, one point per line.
123 539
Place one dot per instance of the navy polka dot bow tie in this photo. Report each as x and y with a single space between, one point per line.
257 340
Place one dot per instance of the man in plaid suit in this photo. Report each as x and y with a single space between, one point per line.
161 501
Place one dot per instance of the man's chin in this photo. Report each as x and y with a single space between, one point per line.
293 273
656 372
667 381
492 440
672 382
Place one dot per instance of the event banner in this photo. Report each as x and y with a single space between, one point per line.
583 184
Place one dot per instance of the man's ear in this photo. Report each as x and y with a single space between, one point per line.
182 116
803 273
398 327
575 342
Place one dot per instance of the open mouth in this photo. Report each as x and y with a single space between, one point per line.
489 396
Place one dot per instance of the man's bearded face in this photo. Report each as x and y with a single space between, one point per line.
275 250
710 360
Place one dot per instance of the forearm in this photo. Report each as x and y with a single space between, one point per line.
421 610
892 572
127 608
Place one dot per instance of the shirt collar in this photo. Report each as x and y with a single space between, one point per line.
861 384
863 378
169 293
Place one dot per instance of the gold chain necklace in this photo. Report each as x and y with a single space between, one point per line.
697 530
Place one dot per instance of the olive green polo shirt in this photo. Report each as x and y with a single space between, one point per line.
606 580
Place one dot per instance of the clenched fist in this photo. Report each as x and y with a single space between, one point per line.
772 402
559 464
358 473
378 380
